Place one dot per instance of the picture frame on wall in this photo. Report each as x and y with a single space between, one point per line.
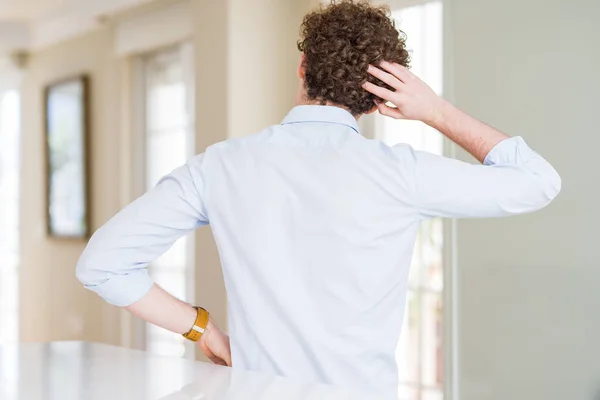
66 116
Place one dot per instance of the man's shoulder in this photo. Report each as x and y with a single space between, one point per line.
234 143
226 147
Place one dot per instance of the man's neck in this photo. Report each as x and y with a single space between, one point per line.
306 102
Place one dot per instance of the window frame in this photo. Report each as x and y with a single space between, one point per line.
139 165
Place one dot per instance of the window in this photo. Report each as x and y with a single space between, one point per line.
169 143
420 353
9 214
9 231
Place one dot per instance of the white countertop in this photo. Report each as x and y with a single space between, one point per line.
80 370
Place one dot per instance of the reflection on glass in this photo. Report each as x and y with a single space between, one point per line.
65 104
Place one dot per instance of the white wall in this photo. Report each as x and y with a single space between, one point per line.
529 287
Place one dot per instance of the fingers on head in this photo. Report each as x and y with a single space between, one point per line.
388 111
385 77
397 70
378 91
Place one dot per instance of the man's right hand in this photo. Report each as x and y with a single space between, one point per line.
413 98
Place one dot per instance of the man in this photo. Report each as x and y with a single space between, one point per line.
315 224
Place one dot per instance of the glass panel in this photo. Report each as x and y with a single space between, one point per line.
172 281
158 334
8 331
166 152
417 134
163 342
423 27
168 127
166 91
166 105
430 256
9 174
175 257
9 287
407 353
419 352
431 340
9 216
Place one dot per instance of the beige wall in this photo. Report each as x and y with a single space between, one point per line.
529 286
263 62
211 39
53 304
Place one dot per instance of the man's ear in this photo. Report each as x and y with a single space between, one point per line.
301 69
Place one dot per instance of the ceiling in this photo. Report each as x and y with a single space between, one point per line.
32 24
30 10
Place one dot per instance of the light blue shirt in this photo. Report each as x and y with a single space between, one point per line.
315 227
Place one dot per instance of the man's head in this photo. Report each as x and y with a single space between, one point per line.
338 43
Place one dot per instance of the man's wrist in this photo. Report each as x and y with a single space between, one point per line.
440 112
199 325
210 326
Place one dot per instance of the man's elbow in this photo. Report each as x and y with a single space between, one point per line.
552 186
85 271
90 269
547 188
117 281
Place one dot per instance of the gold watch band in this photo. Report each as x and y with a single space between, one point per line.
199 327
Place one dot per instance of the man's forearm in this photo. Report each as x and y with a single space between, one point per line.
415 100
469 133
160 308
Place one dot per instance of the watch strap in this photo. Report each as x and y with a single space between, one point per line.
195 333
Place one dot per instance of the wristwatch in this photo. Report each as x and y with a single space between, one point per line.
199 327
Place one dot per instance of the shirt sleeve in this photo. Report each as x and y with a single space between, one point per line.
114 263
513 180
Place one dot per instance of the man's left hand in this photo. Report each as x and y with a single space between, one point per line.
214 343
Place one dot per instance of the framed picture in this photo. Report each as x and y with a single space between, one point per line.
67 136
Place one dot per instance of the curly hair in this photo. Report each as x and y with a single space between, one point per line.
339 42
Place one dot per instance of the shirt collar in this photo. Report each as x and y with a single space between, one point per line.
322 114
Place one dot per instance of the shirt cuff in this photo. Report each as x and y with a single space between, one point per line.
124 290
509 151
